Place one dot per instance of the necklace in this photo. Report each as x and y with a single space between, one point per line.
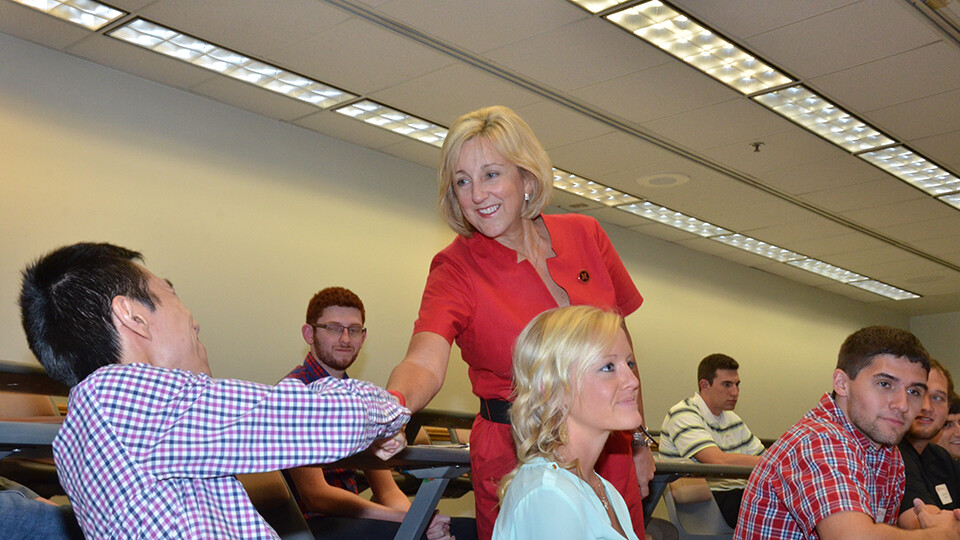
601 493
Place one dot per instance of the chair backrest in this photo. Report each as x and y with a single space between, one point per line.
271 497
17 405
694 511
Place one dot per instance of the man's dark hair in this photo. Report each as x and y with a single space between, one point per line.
860 347
708 367
65 306
954 401
333 296
935 365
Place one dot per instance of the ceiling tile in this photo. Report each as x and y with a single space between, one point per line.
415 151
944 244
865 260
943 149
737 120
824 248
779 151
790 233
820 175
599 156
764 15
866 195
923 229
901 212
870 85
656 92
463 89
919 118
556 125
855 293
586 48
864 31
250 27
482 26
361 57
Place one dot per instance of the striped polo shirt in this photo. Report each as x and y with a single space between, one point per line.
689 427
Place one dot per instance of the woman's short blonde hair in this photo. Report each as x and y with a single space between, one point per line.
551 356
513 138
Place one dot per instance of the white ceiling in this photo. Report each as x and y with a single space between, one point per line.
614 109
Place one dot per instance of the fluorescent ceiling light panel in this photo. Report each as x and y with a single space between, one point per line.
596 6
682 37
232 64
661 214
758 247
827 270
589 189
881 288
398 122
87 13
914 169
952 200
800 105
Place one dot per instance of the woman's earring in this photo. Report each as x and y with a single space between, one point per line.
526 196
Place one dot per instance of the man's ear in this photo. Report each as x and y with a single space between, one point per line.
307 332
840 382
129 314
703 384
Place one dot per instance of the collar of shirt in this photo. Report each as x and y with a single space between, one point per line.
829 409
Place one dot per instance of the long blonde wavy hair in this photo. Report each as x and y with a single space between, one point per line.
550 357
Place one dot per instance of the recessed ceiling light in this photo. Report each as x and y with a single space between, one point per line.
596 6
883 289
666 216
800 105
952 199
589 189
827 270
914 169
396 121
232 64
679 35
758 247
87 13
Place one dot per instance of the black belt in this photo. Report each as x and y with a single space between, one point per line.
495 410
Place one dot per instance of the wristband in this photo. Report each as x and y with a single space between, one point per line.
399 396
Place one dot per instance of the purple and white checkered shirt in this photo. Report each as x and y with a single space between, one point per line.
147 452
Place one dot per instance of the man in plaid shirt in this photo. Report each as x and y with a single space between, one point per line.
837 473
151 442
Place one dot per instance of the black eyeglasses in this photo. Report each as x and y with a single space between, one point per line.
336 330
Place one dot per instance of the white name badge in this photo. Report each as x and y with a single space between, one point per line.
944 494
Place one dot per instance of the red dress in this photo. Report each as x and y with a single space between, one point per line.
478 295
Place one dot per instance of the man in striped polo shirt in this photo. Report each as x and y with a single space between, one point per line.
705 428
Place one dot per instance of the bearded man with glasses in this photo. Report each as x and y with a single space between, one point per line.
329 498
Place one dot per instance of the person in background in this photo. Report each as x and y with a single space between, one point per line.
837 473
330 498
573 372
949 436
933 476
508 264
151 442
28 516
705 428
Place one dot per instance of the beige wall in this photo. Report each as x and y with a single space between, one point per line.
249 217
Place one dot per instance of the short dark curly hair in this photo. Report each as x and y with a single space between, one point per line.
333 296
860 347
